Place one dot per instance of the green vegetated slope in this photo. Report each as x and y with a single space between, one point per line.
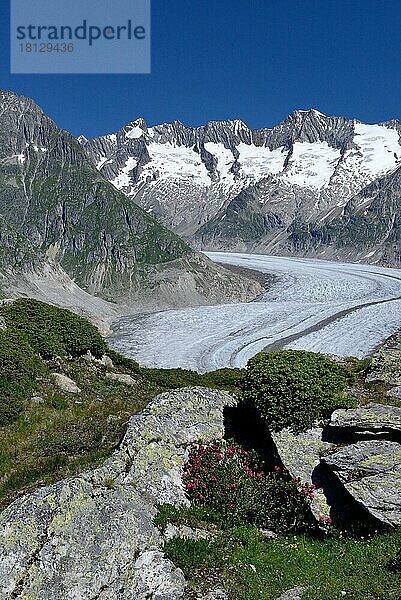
47 433
53 197
56 208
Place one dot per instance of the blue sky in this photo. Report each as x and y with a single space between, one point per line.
256 60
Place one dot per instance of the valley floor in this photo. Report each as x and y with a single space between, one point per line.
337 308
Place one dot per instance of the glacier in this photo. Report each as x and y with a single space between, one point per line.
336 308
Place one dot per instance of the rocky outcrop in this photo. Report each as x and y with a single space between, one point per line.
355 461
371 420
386 362
369 467
92 536
371 472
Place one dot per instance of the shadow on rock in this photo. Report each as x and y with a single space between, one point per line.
346 512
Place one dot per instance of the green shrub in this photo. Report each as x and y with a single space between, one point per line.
172 378
227 379
293 388
283 505
119 360
53 331
19 367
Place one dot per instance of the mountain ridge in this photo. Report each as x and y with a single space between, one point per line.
226 186
58 212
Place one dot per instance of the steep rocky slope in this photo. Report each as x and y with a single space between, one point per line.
302 186
367 229
62 225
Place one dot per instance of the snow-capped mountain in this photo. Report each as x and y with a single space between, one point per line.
225 186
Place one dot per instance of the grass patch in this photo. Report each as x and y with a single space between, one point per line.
251 567
67 433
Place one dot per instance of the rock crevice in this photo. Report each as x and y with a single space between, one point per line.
355 462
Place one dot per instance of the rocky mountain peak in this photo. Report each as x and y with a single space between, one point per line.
311 126
135 129
305 170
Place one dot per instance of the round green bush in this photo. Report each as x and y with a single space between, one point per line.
293 388
19 368
53 331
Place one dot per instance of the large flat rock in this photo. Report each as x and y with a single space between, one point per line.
371 472
375 418
92 536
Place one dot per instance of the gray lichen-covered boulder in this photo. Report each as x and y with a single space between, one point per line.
370 471
92 536
395 392
374 419
386 362
65 383
122 378
366 472
300 454
294 594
